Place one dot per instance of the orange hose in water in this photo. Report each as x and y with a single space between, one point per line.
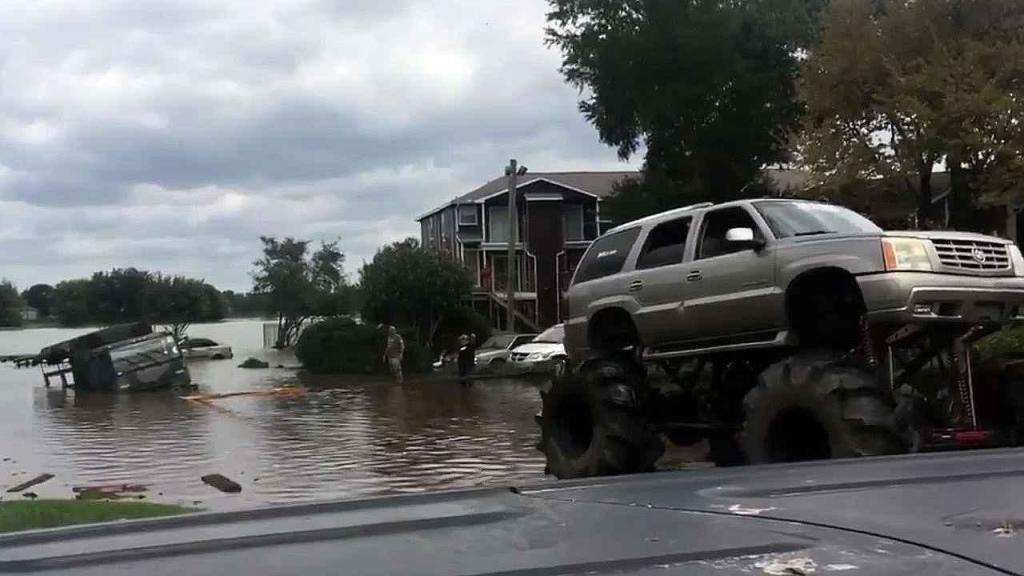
273 392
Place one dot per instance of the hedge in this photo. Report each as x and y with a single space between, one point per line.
342 346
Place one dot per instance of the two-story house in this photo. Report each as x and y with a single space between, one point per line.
558 215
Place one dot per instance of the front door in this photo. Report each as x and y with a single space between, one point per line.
731 293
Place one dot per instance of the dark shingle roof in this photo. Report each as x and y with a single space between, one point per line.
599 184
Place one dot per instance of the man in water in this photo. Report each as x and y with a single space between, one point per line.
466 358
393 353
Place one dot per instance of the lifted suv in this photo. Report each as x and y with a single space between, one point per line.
791 330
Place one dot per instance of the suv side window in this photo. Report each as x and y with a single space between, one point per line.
606 255
716 223
665 244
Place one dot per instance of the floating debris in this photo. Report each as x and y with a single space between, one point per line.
222 483
254 363
37 480
108 491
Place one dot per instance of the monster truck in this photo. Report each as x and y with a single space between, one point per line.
789 330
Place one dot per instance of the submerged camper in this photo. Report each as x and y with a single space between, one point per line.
126 357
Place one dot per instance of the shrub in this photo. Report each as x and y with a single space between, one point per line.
1007 342
341 346
461 321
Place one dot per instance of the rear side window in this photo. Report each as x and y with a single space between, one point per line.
606 255
665 244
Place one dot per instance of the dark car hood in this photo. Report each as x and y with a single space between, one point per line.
926 514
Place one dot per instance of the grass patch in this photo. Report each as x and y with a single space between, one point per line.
26 515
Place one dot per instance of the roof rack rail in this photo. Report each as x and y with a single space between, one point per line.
696 206
640 221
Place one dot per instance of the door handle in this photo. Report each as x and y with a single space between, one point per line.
636 286
694 276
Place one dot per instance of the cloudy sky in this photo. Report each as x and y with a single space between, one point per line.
170 134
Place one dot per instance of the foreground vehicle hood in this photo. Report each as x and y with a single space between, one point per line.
955 514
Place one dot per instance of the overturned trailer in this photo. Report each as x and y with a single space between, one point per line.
127 357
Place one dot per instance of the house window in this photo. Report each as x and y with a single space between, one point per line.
572 222
497 224
467 215
472 264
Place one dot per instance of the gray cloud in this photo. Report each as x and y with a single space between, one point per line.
171 134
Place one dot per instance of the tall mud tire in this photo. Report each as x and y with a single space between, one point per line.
814 406
592 424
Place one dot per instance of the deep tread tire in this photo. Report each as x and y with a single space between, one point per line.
620 440
844 400
1010 414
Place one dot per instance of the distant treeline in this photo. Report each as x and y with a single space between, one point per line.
127 295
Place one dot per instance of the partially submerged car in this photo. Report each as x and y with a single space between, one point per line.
127 357
543 354
205 348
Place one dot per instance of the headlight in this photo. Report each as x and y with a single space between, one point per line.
905 254
536 356
1017 259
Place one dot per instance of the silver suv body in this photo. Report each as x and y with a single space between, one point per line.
707 279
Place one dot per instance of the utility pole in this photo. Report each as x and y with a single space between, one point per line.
513 172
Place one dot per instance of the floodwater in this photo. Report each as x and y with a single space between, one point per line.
343 438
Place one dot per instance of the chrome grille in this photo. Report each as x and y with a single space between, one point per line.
972 255
519 356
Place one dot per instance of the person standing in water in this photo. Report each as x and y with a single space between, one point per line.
393 353
466 358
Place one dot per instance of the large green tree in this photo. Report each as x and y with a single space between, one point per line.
10 304
298 284
73 302
246 304
413 287
706 87
117 295
177 302
40 297
898 88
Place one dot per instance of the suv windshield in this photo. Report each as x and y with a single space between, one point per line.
497 342
801 218
553 335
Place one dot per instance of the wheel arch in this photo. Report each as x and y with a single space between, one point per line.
607 321
822 275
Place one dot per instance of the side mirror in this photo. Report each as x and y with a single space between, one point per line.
743 237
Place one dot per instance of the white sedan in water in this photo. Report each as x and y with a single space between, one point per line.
543 353
204 348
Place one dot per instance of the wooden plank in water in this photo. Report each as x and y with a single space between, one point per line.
25 485
222 483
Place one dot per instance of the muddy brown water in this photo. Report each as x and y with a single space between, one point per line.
345 438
